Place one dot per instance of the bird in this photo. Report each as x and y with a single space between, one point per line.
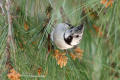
66 36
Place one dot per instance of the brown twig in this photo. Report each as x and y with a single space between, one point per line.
48 17
10 37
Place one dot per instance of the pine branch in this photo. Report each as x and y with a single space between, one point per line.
10 36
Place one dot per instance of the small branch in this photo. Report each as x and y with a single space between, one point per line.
9 18
9 38
48 17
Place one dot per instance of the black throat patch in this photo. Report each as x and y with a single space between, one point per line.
68 40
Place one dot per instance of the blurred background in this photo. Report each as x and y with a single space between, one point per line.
27 53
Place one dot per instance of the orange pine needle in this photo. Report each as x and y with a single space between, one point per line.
97 29
26 27
78 53
107 3
39 71
60 58
78 50
73 56
13 75
56 51
103 1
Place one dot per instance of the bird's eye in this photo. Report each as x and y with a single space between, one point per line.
77 36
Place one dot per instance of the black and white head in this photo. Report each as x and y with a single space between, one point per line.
73 35
65 36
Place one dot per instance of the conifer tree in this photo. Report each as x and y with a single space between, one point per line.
27 52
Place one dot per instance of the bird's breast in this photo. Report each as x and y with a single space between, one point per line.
60 42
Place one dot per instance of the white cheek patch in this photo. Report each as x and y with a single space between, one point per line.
76 41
